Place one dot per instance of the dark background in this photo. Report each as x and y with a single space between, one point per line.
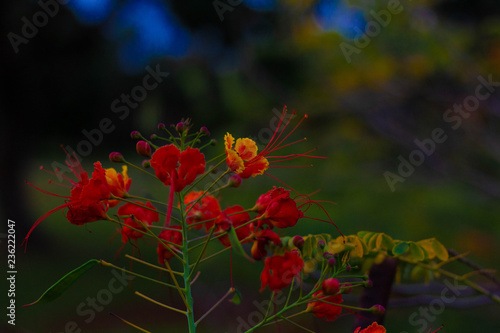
229 75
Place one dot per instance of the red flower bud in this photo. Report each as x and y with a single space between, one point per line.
330 286
143 148
298 241
204 131
180 127
135 135
377 309
235 181
116 157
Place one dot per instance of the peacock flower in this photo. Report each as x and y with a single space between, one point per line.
199 210
279 271
177 168
373 328
173 236
118 183
323 307
146 213
234 217
244 158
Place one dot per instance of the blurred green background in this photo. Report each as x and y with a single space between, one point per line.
232 66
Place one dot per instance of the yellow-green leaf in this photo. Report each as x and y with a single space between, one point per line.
440 250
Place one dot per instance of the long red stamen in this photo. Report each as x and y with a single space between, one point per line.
286 137
43 217
46 192
270 143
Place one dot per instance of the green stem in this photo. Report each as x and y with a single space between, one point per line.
187 268
295 324
202 252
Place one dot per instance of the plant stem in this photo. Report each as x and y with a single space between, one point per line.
187 268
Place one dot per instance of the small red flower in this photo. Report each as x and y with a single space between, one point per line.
326 311
262 238
279 271
178 168
172 236
147 216
278 209
207 208
232 216
373 328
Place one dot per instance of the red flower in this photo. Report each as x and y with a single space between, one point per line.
89 200
262 238
373 328
279 271
172 236
278 209
326 311
140 213
178 168
232 216
207 208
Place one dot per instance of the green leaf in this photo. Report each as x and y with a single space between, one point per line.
440 250
236 298
64 283
400 248
417 253
235 242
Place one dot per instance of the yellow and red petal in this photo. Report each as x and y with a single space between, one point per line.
234 162
228 141
246 148
255 167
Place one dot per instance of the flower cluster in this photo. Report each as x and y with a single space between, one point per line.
193 218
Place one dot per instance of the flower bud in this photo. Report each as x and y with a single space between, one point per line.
234 181
330 286
180 127
146 164
213 142
377 309
348 268
327 255
153 136
204 131
135 135
143 148
298 241
161 126
321 244
332 262
368 284
116 157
